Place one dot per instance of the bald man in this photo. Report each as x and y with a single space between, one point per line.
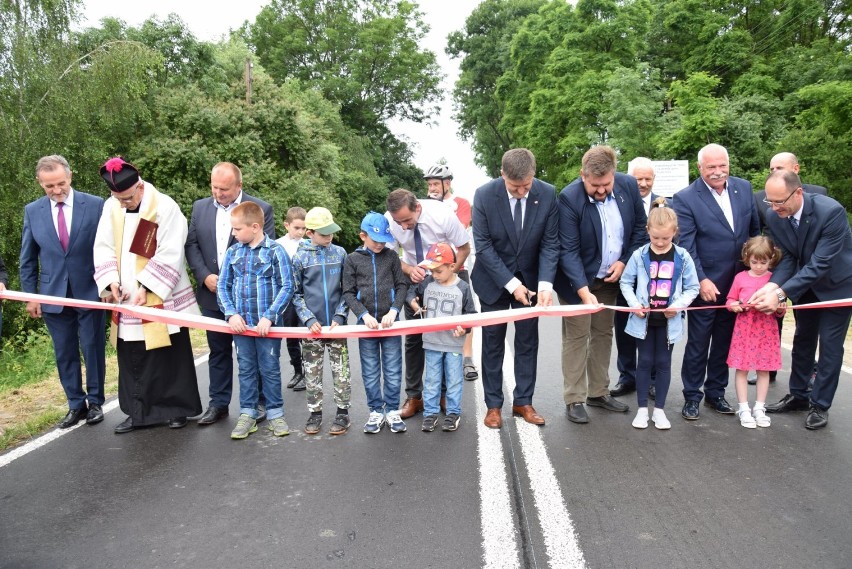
788 162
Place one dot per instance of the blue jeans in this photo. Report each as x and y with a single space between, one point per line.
259 356
442 365
381 356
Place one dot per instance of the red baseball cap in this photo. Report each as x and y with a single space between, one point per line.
439 254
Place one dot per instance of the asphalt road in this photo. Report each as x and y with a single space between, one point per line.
705 494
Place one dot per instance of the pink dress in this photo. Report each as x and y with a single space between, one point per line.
756 342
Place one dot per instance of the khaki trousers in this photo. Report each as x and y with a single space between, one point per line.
586 348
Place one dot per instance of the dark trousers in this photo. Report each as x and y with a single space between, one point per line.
706 353
826 327
493 352
74 330
294 345
655 355
626 346
414 360
220 365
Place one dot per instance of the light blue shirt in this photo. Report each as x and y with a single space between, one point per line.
612 233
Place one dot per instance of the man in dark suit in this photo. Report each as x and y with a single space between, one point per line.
56 260
601 223
814 236
515 225
208 238
716 214
642 169
781 161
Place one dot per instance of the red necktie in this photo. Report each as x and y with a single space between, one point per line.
61 226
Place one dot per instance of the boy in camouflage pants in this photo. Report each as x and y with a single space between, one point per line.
318 275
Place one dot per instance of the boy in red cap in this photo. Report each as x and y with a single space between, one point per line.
442 293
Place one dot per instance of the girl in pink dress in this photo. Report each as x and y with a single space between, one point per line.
756 342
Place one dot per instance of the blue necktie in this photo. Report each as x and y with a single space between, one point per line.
418 245
795 223
519 219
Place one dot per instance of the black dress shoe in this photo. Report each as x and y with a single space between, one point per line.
177 422
73 417
124 427
720 405
690 410
652 392
212 415
297 377
95 415
817 418
608 403
622 388
788 403
577 413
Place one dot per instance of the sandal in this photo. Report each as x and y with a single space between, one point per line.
340 424
470 372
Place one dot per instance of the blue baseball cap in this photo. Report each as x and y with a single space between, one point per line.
377 227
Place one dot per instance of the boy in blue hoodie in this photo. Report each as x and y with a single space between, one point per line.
374 287
318 274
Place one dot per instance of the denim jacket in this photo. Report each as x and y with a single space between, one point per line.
635 281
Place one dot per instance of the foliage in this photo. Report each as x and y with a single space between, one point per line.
660 78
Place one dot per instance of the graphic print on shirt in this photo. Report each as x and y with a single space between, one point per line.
661 283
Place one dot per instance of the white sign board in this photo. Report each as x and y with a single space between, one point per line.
670 176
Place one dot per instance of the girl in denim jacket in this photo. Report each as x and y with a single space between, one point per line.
659 280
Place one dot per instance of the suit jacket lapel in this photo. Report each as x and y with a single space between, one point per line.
804 226
47 216
77 221
505 211
713 205
530 214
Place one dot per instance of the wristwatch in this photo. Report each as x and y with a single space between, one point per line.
780 294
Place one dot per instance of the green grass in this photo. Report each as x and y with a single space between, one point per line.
36 425
23 363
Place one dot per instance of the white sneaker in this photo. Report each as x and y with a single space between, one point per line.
397 425
660 420
760 417
641 420
746 420
374 422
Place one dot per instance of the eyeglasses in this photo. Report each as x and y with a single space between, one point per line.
129 198
779 204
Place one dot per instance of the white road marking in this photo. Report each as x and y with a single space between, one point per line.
499 550
56 433
560 538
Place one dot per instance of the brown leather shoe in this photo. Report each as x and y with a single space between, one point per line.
528 413
493 420
411 407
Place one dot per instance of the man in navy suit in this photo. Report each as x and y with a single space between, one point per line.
814 236
716 215
515 225
781 161
56 260
601 223
642 169
208 238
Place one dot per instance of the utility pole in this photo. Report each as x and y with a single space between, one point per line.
248 80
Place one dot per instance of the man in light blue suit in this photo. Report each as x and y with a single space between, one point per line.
56 260
716 214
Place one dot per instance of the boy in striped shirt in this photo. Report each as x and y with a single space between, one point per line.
255 286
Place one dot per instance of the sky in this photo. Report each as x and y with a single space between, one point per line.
430 143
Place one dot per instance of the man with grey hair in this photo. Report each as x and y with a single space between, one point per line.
56 260
716 214
601 223
515 227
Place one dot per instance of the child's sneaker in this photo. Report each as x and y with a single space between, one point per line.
660 420
340 424
641 420
245 426
395 421
374 422
429 422
746 420
760 417
451 422
279 427
312 427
